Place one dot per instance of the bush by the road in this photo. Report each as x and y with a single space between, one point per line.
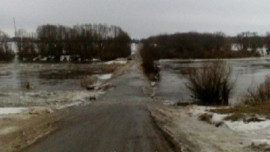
149 56
211 84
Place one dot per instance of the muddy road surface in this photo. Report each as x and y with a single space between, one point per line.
117 122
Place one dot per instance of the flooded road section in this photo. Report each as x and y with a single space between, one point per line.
25 84
247 74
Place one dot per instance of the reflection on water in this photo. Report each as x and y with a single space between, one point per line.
247 73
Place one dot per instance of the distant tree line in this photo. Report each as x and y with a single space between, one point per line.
206 45
6 54
201 45
81 43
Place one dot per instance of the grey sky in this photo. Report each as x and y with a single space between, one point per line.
141 18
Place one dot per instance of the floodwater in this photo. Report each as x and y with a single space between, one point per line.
248 73
34 84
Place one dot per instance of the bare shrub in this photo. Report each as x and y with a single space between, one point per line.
149 55
211 84
261 93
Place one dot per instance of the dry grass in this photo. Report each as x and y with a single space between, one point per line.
235 117
246 112
260 147
258 108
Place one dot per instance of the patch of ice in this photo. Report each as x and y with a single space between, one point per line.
245 127
5 111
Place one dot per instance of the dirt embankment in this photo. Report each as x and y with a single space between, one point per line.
23 130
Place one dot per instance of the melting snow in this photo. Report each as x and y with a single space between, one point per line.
235 126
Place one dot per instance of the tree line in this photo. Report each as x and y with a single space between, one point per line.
80 42
6 54
201 45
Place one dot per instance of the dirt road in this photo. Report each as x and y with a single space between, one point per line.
117 122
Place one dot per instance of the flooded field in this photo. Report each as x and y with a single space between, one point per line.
247 73
23 84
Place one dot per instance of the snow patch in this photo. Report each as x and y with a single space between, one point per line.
104 76
246 127
218 117
198 110
117 62
5 111
239 126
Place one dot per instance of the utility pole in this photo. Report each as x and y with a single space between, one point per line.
15 28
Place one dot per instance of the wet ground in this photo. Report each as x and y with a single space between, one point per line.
247 73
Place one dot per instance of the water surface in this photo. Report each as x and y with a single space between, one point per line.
48 83
248 73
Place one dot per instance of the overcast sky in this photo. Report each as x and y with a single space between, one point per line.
141 18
